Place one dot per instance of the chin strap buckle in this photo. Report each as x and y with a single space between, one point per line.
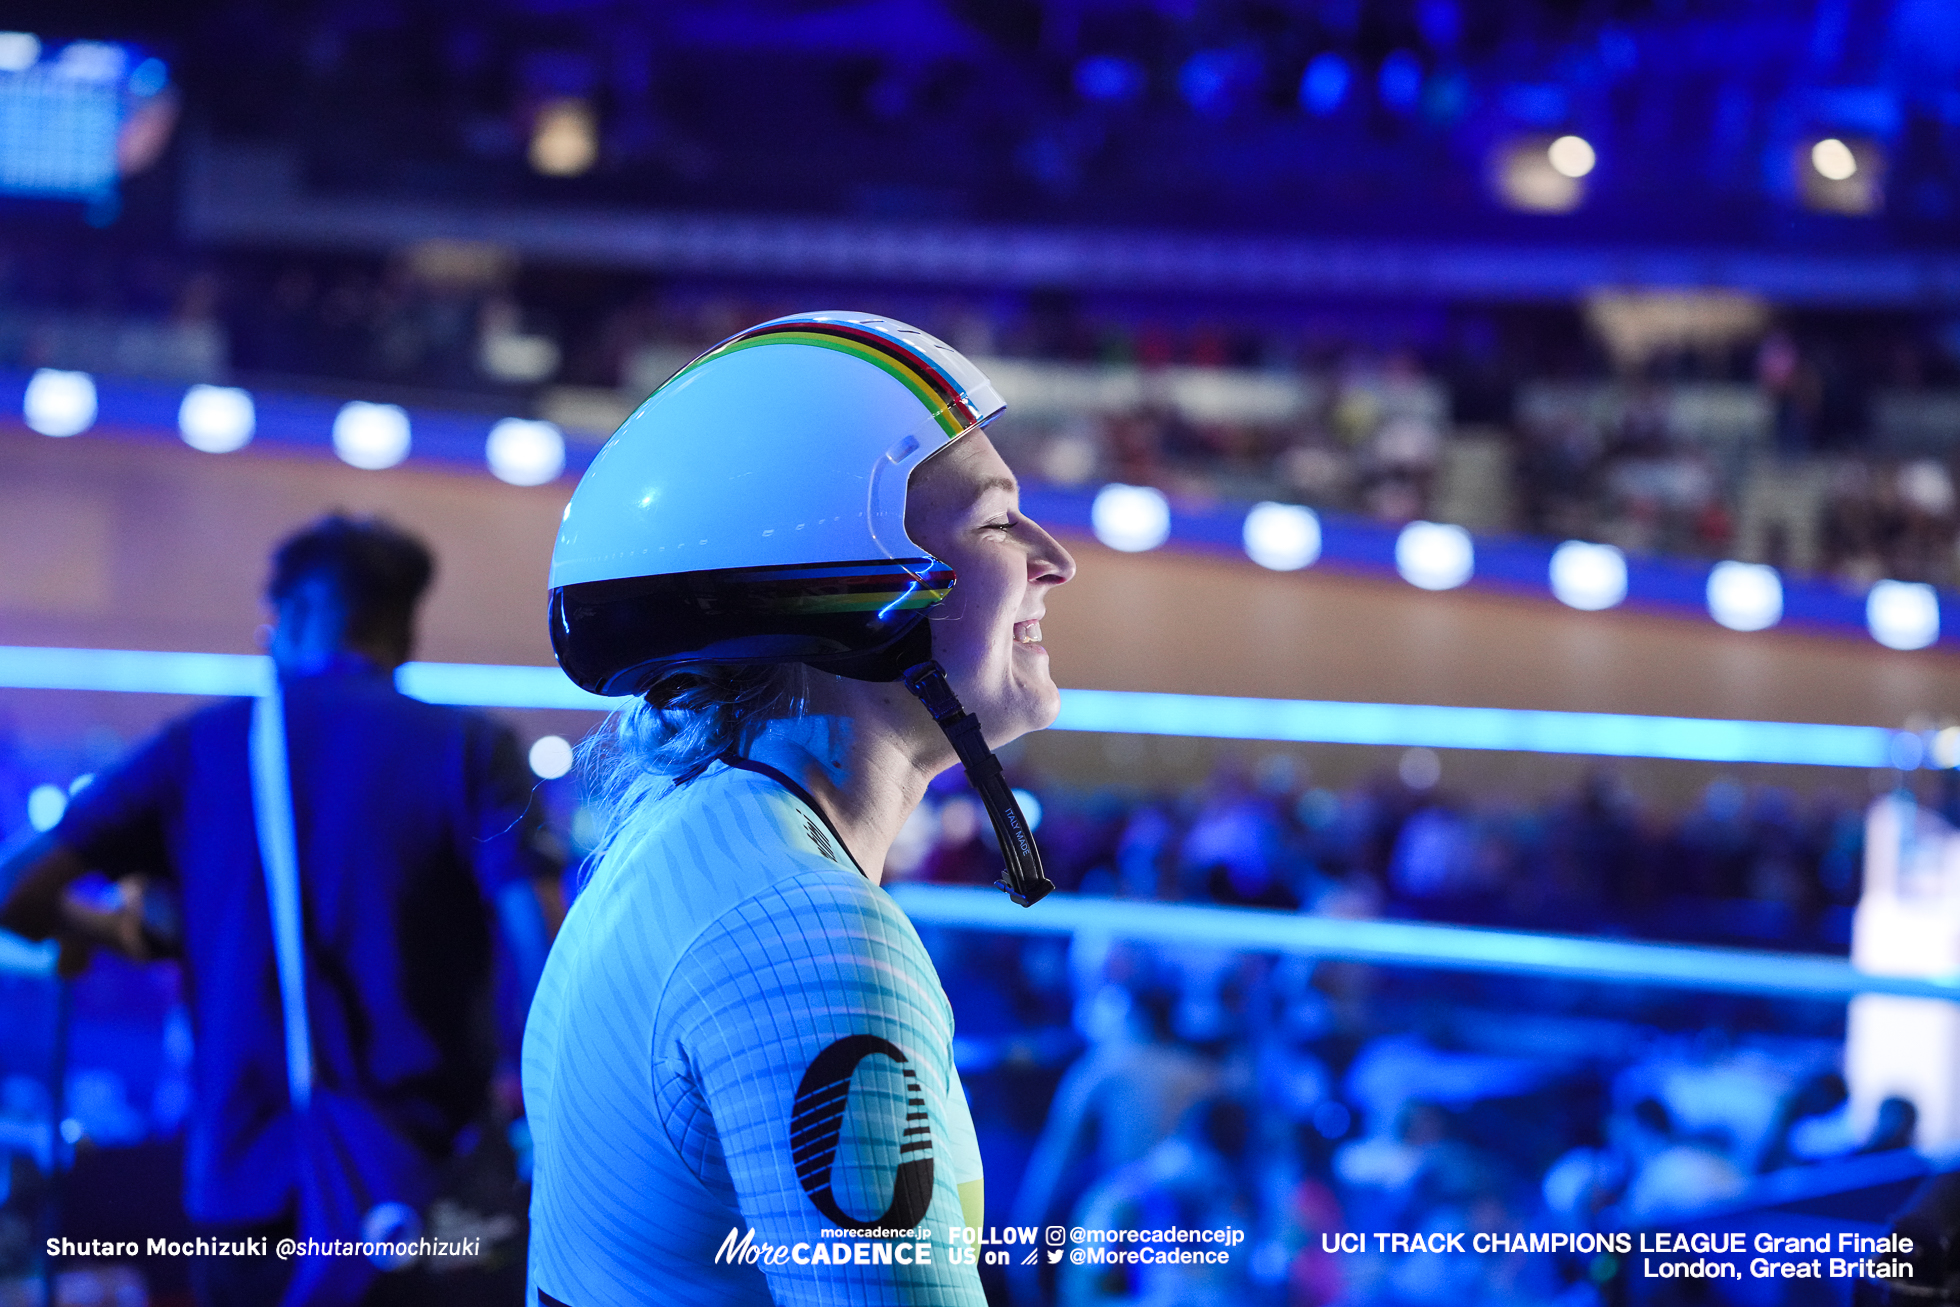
1024 880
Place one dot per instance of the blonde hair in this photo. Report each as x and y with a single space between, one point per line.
685 720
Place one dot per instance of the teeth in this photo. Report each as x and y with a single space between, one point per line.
1030 633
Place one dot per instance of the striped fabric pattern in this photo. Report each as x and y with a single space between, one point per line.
737 1031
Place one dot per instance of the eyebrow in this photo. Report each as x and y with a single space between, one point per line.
1008 484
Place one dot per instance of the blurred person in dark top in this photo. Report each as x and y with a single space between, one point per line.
1195 1180
415 833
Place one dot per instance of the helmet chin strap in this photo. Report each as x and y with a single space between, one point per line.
1024 880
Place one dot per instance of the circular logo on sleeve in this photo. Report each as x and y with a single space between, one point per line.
817 1121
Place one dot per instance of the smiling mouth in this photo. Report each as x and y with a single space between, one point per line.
1028 632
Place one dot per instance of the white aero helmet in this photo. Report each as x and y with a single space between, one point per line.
752 510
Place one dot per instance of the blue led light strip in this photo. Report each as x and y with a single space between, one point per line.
24 667
1613 735
1404 943
1415 944
488 685
482 685
1307 721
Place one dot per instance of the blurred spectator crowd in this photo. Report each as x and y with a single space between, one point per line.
1125 1086
1817 442
1133 1087
1117 1085
1759 866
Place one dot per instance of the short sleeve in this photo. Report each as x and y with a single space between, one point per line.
118 823
807 1040
501 822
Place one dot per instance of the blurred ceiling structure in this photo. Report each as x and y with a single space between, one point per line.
1343 130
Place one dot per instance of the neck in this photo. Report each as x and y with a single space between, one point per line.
865 751
340 658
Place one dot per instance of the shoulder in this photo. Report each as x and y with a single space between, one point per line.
471 724
814 941
377 692
827 908
215 730
369 704
225 714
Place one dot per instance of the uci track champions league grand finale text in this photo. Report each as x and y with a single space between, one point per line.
1663 1254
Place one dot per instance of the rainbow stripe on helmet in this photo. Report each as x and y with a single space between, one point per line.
933 386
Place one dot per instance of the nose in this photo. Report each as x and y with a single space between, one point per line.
1048 562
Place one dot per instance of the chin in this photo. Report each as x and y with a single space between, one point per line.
1024 716
1047 708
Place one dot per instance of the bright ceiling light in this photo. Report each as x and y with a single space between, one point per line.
1131 518
1588 577
217 419
1903 614
564 138
1841 174
525 453
1434 555
92 61
551 757
1833 160
1571 156
1030 807
370 436
45 804
1522 178
1745 596
1284 537
18 51
59 403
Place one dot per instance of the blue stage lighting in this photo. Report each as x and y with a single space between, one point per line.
1108 78
1325 84
20 958
1210 78
1400 80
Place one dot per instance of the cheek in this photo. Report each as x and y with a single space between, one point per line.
977 619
